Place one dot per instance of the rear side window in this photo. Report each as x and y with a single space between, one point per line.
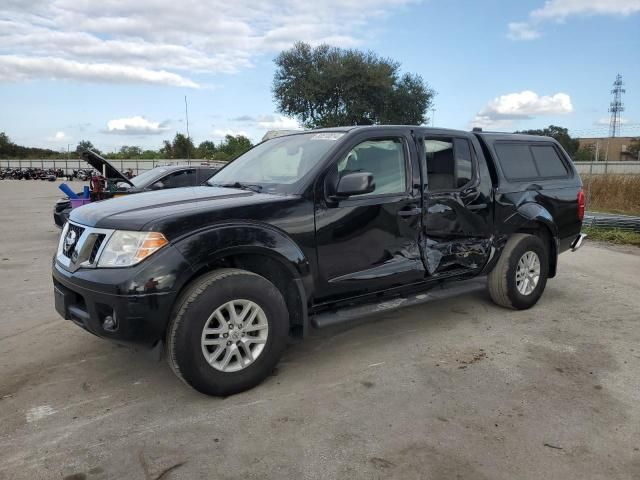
449 163
548 162
520 161
516 160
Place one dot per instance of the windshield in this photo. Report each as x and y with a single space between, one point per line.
144 178
277 164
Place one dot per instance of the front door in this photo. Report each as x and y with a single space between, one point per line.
370 242
458 206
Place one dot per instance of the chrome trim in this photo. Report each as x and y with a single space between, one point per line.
83 247
577 243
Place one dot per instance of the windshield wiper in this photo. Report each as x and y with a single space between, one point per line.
243 186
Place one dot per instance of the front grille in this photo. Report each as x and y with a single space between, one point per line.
96 247
68 251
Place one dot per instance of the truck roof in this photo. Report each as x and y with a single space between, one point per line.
488 136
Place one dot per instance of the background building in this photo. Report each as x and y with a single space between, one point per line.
617 147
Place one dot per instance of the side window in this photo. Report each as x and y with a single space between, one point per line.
183 178
516 160
449 163
548 162
384 159
521 161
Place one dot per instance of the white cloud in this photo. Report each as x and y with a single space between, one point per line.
522 31
136 125
164 41
15 68
58 137
220 133
280 123
560 10
607 120
503 111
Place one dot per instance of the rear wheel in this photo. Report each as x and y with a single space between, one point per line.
520 275
229 331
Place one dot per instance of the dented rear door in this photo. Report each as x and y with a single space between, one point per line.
458 206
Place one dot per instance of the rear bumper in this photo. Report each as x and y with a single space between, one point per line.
577 242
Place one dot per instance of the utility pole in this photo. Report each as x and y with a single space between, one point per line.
616 107
433 116
186 114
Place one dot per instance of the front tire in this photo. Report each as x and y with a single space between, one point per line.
228 333
520 275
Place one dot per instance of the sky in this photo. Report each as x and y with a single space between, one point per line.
117 72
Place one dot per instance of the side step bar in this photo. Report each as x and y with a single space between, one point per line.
438 292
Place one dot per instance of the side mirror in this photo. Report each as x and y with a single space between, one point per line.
356 183
157 186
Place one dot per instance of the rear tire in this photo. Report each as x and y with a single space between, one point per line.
520 275
209 319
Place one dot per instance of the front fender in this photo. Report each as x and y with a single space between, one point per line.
204 247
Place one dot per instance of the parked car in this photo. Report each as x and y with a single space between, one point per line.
312 229
158 178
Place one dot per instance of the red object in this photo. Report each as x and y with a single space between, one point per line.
580 204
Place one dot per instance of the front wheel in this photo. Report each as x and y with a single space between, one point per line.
520 275
229 332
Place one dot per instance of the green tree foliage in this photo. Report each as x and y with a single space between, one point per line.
86 145
328 86
182 146
561 134
585 154
232 147
9 150
207 149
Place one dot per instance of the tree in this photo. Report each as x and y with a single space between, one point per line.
181 147
328 86
232 147
7 147
86 145
585 154
561 134
207 149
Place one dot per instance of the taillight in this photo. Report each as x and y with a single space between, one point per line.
580 205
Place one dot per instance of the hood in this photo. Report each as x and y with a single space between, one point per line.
134 212
104 167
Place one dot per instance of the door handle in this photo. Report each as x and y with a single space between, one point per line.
410 212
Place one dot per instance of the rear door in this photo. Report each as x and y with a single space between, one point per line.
458 205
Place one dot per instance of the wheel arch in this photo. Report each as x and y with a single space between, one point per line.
263 250
534 219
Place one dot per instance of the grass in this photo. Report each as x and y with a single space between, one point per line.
612 235
613 193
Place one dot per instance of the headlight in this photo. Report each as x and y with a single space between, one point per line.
128 248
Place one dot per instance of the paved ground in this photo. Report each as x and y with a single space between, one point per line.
454 389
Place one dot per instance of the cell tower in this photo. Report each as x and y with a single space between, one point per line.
616 107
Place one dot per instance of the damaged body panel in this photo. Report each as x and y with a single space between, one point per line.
340 217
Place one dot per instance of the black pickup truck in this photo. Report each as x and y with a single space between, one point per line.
311 229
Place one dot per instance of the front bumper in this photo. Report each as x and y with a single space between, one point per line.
129 305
